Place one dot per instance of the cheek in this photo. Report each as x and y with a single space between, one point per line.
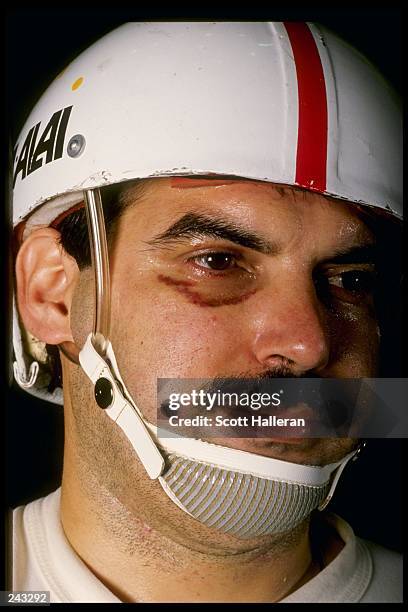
170 337
82 308
158 335
355 345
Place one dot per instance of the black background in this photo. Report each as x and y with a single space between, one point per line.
39 42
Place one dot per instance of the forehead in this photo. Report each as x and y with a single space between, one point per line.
252 202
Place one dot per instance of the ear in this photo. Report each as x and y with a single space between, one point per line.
46 277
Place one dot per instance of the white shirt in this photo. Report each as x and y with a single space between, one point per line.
43 560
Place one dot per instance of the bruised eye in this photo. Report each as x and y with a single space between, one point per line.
216 261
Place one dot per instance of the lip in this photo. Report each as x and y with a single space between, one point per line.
292 435
292 449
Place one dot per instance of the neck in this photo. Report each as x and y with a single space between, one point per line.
139 564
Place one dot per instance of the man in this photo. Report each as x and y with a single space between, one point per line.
241 218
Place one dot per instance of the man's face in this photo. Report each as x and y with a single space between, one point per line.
230 280
241 279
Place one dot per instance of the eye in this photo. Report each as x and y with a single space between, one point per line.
355 281
353 285
216 261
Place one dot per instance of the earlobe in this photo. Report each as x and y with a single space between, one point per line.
46 277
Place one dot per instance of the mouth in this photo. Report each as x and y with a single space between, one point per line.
290 425
292 444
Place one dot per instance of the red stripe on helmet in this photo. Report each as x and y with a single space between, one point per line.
311 157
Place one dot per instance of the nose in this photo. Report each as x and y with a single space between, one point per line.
292 329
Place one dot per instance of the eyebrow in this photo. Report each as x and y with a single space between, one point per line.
193 225
366 253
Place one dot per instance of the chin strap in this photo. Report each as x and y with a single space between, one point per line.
353 455
111 395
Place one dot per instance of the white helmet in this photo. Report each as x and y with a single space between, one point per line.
288 103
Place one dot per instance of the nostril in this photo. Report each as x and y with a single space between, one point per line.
296 356
280 367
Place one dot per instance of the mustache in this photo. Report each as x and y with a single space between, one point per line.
252 383
283 371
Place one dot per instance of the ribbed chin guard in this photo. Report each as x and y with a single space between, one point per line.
239 504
